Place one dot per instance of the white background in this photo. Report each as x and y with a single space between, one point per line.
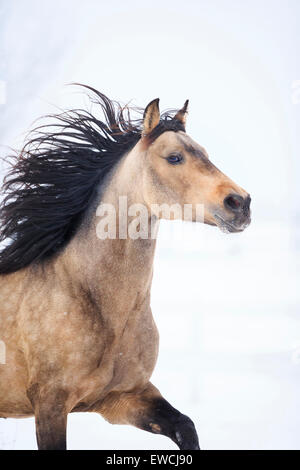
227 306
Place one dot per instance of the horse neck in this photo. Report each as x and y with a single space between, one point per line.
115 264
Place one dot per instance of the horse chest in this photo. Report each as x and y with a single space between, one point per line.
137 354
127 361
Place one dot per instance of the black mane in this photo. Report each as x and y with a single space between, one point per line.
54 178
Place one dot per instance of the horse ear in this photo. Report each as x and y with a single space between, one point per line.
182 113
151 116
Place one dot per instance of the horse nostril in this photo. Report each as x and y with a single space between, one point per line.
234 203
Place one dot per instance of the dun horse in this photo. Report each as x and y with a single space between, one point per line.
75 314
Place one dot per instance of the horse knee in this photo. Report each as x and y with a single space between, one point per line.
162 418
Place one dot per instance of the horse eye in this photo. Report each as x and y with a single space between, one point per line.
175 159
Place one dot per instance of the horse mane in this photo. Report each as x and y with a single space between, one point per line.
55 177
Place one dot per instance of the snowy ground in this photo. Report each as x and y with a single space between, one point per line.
227 307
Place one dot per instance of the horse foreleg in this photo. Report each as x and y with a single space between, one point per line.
149 411
50 418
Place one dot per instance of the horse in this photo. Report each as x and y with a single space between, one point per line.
75 310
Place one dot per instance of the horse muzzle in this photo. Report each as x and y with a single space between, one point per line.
236 215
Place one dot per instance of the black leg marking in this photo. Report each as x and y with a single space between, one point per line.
162 418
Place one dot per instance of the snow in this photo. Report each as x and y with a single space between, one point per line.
227 306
